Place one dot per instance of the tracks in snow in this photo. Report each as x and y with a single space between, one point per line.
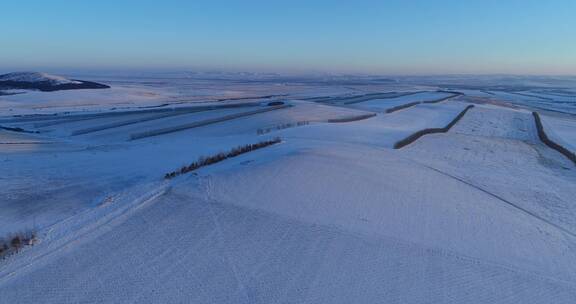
77 228
489 124
496 196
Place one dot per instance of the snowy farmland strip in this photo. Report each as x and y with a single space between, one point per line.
412 138
500 198
531 95
126 122
551 143
202 123
359 98
404 106
68 116
54 119
63 121
368 97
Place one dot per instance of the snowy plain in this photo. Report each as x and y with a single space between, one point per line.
482 214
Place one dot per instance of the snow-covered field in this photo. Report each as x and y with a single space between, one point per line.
540 101
383 130
54 102
333 214
561 130
381 105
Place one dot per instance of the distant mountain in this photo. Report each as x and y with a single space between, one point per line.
44 82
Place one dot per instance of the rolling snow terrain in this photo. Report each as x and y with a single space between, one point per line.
482 213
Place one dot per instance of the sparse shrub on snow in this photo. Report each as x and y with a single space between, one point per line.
16 242
281 126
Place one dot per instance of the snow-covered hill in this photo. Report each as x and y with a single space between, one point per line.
44 82
36 77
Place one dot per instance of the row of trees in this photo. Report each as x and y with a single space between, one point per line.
209 160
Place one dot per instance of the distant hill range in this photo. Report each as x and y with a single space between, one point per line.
44 82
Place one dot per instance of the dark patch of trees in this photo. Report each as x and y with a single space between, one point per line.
16 242
16 129
546 140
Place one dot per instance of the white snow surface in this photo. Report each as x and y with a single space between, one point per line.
482 214
36 102
561 130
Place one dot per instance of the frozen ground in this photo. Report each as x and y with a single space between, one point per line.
481 214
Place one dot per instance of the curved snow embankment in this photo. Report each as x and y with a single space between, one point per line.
117 124
552 140
412 138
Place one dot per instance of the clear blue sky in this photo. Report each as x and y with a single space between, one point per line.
396 36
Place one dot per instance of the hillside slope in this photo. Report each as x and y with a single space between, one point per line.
44 82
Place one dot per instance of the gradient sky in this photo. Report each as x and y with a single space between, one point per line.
388 37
